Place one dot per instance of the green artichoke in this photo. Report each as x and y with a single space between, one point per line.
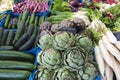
44 74
46 41
89 72
50 58
84 43
63 40
64 74
74 59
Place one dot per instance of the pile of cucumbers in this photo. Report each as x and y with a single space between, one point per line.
15 65
26 36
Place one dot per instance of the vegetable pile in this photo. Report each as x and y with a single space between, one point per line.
32 6
26 35
15 65
66 53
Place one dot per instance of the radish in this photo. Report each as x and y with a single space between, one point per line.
100 61
111 48
117 44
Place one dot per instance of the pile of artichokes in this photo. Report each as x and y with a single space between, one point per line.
65 55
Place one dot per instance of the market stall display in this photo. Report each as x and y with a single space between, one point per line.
59 40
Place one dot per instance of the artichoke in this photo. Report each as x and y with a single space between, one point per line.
44 32
67 23
63 40
64 74
74 59
89 72
84 43
45 26
79 23
46 41
55 28
44 74
50 58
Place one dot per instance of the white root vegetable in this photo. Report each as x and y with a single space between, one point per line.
108 72
105 54
111 48
100 61
111 37
117 44
116 68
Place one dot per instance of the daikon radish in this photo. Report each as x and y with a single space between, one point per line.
111 48
117 44
111 36
108 72
100 61
116 67
105 54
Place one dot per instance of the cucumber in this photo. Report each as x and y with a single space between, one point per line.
37 37
16 65
10 37
14 74
28 44
9 25
30 29
32 18
7 21
16 56
1 33
27 22
6 48
36 21
4 37
41 20
25 15
21 40
20 17
20 31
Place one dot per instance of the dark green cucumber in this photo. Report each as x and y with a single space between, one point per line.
36 23
32 18
20 31
1 34
25 15
28 44
4 37
30 29
37 37
21 40
20 17
14 74
10 37
27 22
16 65
9 26
6 48
16 56
7 21
41 20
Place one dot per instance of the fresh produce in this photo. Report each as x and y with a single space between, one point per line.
32 6
74 59
4 37
14 74
86 74
63 40
64 74
6 5
1 34
6 48
46 41
45 26
44 74
10 38
16 55
50 58
17 65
